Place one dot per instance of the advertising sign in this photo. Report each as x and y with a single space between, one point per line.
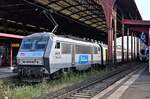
83 59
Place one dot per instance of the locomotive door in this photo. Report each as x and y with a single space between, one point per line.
73 55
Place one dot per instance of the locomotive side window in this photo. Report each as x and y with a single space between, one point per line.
57 46
66 48
83 49
95 50
99 49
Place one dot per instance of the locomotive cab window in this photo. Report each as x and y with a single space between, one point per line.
34 43
41 44
27 44
57 46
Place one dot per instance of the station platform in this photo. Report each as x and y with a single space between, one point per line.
140 89
135 86
6 72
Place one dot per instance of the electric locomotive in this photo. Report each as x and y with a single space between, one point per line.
44 54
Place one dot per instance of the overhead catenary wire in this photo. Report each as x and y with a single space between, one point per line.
47 13
50 18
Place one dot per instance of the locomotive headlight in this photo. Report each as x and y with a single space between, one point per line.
18 61
30 61
39 62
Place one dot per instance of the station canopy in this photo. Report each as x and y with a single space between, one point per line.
78 17
18 16
85 11
140 27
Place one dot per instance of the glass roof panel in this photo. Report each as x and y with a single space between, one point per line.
62 3
82 14
72 2
87 22
93 20
99 23
55 6
81 8
45 2
67 12
85 18
73 9
94 25
75 16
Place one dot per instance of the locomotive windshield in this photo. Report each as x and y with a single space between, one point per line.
37 43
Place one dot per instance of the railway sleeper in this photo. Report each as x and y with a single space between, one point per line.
80 96
71 97
90 91
81 93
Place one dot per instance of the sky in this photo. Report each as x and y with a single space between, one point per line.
144 8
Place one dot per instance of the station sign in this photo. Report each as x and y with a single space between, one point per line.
143 37
15 44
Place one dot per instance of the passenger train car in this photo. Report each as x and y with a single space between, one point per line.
143 52
44 54
144 55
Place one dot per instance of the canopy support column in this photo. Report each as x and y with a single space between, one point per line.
11 54
110 42
149 48
132 46
122 43
110 39
138 50
115 35
128 45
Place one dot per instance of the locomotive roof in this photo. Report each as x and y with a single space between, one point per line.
39 34
70 40
61 38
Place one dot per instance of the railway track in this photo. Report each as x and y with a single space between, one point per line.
91 87
96 87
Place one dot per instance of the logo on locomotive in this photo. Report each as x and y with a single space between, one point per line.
31 54
83 59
